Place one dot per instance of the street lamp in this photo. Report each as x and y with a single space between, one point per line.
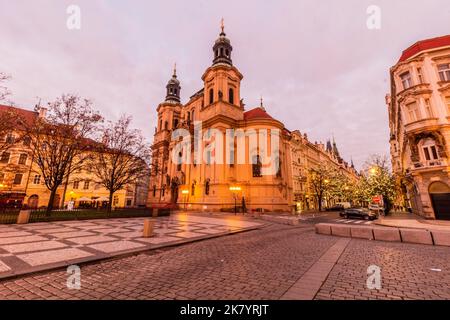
185 193
235 190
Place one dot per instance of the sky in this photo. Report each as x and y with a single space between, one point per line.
318 66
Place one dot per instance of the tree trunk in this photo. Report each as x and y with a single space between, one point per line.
50 201
111 193
319 199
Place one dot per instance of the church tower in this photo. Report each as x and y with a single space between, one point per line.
222 81
169 114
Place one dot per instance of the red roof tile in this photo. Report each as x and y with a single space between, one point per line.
28 115
423 45
256 113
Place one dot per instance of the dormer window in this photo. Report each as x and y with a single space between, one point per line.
406 80
444 72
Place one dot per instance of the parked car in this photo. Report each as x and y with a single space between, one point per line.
363 213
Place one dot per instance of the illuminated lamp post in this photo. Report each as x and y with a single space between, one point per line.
235 190
185 192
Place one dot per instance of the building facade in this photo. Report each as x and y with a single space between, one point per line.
220 181
307 155
22 184
419 113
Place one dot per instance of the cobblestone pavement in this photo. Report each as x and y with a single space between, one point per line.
259 264
44 246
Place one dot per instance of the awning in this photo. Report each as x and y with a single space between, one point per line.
102 199
84 199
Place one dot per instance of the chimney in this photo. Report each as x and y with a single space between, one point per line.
42 112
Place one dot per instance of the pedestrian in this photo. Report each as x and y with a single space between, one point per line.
244 208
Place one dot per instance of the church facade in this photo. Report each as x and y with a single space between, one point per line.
213 154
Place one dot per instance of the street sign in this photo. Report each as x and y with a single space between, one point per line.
377 199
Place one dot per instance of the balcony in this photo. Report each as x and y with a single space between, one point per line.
429 165
422 125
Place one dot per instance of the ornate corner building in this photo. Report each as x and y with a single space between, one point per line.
224 184
419 113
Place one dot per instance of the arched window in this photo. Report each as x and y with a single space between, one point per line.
256 166
154 191
193 189
192 115
175 123
231 96
217 52
207 186
227 53
180 158
211 96
166 125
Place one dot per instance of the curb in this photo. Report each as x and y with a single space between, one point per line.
391 234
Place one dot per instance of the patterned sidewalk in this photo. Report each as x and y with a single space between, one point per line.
43 246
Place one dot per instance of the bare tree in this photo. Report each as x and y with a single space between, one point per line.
12 128
320 180
3 89
61 141
123 158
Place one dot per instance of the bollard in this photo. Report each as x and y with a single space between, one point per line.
23 217
148 228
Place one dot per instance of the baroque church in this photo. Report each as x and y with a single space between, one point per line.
219 184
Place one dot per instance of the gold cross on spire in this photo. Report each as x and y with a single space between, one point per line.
262 101
175 69
222 25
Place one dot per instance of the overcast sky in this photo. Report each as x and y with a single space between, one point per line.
317 65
